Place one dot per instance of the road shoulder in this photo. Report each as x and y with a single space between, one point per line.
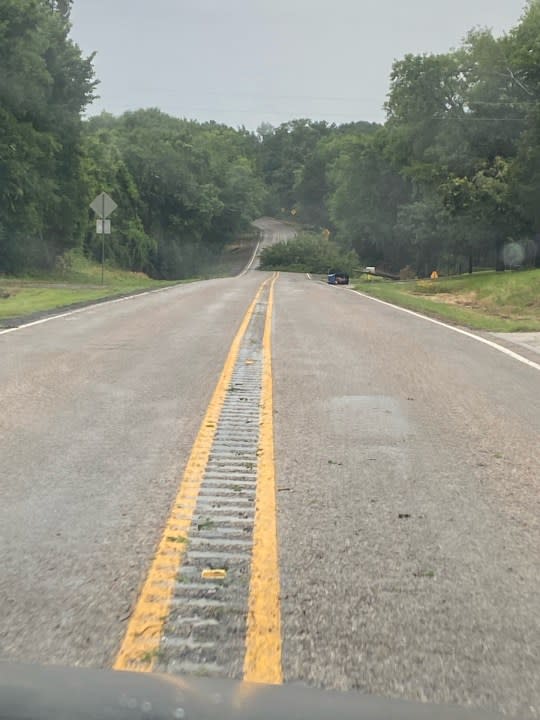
11 323
524 350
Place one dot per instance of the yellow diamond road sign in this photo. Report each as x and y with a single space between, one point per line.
103 205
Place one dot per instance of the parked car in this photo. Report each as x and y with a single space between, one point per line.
337 277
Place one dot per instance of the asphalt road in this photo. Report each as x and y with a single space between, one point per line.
408 479
272 232
98 414
409 511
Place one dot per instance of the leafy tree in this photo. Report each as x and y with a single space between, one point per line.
44 86
308 253
367 193
524 54
283 154
525 182
129 245
184 188
423 226
425 101
62 7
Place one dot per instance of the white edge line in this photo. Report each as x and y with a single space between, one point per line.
89 307
250 263
115 300
478 338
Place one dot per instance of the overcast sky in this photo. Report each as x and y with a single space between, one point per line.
243 62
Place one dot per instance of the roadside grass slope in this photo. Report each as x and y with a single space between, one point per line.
78 281
499 302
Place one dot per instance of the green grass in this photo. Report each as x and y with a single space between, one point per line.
500 302
79 282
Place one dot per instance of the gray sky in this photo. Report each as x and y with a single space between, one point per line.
243 62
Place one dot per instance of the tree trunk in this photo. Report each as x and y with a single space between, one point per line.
470 263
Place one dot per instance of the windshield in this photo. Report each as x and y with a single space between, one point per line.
270 344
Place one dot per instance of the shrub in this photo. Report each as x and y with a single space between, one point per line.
308 253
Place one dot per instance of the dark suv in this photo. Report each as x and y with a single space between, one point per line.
336 277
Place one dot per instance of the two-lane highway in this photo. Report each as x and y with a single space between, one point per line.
149 447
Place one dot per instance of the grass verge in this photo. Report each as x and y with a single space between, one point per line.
79 282
499 302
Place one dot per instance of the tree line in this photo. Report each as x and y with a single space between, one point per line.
450 181
183 188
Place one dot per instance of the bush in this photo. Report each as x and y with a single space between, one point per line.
308 253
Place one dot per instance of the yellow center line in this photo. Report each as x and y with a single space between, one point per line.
262 661
140 647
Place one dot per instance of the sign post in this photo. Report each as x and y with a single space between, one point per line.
104 206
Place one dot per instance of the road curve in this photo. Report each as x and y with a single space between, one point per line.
406 461
272 232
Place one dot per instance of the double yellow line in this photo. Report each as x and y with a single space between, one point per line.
262 663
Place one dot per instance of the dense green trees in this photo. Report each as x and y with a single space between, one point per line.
184 188
451 180
293 160
453 176
45 83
